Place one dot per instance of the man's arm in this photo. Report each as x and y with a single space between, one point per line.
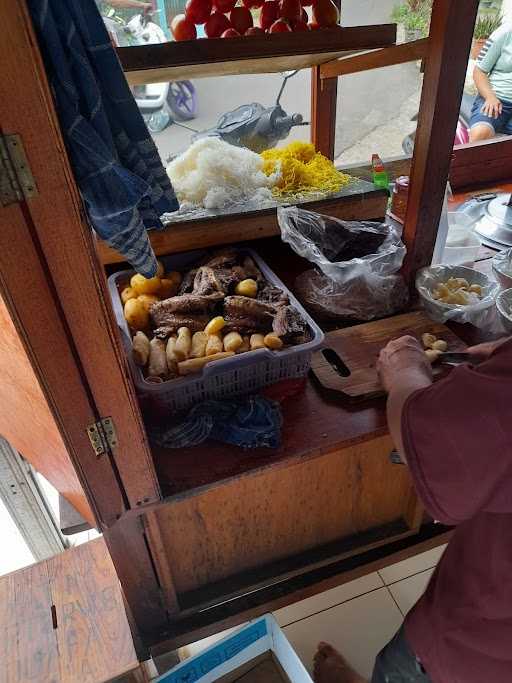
492 106
403 369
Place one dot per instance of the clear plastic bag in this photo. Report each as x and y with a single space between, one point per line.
481 314
359 298
358 260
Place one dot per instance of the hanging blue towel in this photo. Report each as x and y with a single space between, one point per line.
116 164
249 423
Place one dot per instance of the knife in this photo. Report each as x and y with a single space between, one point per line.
456 358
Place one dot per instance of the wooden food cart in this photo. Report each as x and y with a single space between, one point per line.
206 538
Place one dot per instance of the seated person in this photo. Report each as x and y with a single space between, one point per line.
492 109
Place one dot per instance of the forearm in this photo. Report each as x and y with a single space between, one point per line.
398 396
483 83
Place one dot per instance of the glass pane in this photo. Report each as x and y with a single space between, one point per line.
193 108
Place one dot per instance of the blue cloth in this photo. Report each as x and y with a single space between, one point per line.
249 423
116 164
503 124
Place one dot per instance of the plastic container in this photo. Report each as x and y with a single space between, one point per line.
241 374
504 306
462 245
400 198
481 314
502 268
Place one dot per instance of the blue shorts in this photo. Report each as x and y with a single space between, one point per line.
503 124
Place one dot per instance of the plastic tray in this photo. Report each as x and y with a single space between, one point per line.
241 374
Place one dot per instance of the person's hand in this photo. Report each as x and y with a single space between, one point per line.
401 361
492 107
482 352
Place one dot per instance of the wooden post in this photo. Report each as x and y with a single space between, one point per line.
451 34
324 100
324 94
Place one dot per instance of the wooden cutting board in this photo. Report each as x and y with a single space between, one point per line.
347 362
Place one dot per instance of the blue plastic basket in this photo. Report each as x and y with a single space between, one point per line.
238 375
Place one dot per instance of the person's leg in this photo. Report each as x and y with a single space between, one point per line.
483 127
331 667
395 664
481 131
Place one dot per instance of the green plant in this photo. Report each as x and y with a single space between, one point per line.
413 14
486 25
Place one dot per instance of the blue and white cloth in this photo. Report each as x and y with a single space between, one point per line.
253 422
116 164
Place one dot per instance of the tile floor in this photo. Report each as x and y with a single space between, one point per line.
358 618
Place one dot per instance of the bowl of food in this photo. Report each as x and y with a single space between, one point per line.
502 268
504 306
456 293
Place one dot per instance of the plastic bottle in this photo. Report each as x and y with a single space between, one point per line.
380 175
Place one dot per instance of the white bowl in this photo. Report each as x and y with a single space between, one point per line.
427 280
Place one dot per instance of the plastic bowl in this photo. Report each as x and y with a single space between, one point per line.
504 306
502 268
428 278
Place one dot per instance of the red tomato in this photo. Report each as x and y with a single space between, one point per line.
223 6
280 26
216 25
325 13
290 10
269 14
299 26
182 28
198 11
253 4
313 26
230 33
241 19
255 31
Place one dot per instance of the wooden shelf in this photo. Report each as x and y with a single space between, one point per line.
359 200
248 55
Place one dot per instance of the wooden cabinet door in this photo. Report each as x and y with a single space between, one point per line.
55 292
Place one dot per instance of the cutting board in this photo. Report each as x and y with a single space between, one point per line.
347 362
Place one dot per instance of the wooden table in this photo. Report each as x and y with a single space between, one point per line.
63 621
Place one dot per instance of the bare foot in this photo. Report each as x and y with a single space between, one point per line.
331 667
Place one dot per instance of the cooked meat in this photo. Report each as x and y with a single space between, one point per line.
252 270
223 280
273 295
187 284
206 281
224 258
288 322
244 307
185 303
175 321
247 325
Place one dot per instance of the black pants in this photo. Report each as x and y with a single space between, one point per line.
397 663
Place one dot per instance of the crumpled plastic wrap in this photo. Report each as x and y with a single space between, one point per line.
482 314
362 298
358 263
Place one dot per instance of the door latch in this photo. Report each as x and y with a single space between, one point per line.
16 180
102 435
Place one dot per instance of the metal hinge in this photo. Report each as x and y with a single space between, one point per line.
102 435
16 180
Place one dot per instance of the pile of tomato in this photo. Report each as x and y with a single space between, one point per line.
227 19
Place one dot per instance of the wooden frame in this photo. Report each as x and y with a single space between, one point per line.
261 54
91 380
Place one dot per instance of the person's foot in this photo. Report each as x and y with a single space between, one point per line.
331 667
